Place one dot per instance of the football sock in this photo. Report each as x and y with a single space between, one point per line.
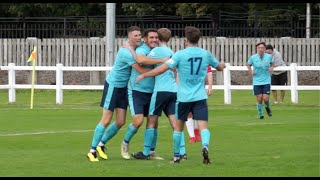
190 127
267 104
259 107
148 138
98 133
130 132
176 143
155 140
182 144
205 137
110 132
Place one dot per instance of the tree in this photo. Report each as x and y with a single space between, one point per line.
52 9
141 9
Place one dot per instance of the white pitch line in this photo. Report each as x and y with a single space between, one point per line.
81 131
59 132
64 108
49 132
54 132
264 123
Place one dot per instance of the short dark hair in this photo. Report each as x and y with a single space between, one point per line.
263 43
133 28
146 31
269 46
192 34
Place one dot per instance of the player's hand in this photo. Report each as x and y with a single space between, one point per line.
139 78
126 45
271 69
209 90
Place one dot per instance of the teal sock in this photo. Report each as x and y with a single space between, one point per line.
205 137
182 144
155 140
176 143
259 107
267 104
130 132
98 133
148 138
110 132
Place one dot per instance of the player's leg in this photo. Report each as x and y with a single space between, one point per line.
182 111
190 128
157 103
151 142
121 104
149 131
200 112
131 130
111 131
170 110
182 152
107 102
196 131
136 104
257 90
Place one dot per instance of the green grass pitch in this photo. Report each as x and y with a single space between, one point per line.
52 140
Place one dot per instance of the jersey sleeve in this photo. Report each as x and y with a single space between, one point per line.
173 61
212 60
128 58
142 51
154 53
250 61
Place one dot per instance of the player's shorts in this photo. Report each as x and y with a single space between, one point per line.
163 101
261 89
139 102
113 97
281 79
199 110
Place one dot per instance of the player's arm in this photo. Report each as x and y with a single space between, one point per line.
159 70
176 77
213 60
140 69
221 66
209 81
142 59
250 69
272 66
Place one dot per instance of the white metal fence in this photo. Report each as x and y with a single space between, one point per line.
294 87
92 51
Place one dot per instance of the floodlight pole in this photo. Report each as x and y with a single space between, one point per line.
110 32
308 21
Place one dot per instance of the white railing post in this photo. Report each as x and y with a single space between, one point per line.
227 84
59 84
12 83
294 82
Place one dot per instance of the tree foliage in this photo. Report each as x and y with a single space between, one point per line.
183 9
141 9
51 9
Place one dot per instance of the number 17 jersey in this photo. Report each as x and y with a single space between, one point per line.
192 64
